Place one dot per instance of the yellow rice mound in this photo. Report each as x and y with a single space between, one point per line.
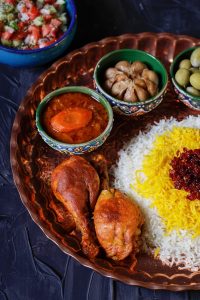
153 181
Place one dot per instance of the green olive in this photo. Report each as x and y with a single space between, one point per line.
182 77
195 80
195 57
194 70
185 64
193 91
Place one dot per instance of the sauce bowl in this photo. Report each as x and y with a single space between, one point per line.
79 148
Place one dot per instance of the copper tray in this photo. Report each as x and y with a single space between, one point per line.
32 160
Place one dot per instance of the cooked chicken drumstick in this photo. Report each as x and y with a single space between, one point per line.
117 219
75 183
117 223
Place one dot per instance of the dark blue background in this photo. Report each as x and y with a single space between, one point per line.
31 266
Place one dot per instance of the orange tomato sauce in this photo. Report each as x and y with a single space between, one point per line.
74 118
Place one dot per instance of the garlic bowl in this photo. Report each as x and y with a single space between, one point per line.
133 81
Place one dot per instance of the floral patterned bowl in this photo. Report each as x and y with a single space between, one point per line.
191 101
131 55
74 148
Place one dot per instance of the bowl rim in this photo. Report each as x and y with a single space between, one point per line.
73 19
172 73
128 103
74 89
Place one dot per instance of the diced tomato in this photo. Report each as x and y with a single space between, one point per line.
33 28
33 12
13 2
56 23
53 32
23 9
19 35
46 29
6 35
21 25
49 1
51 29
35 32
57 6
28 3
46 43
47 18
1 26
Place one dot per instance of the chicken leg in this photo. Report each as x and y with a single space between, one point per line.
117 218
75 183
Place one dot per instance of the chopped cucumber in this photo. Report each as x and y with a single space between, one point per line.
7 43
17 43
2 16
63 18
52 9
48 10
8 8
10 17
38 21
14 25
60 2
40 3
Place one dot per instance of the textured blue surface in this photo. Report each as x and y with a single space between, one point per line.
31 266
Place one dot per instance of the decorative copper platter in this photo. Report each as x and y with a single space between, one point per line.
33 161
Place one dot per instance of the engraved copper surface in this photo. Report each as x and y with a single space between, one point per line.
33 161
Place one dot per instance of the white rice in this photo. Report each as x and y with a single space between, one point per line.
183 251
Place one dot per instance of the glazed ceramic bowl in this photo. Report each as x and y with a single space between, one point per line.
74 148
188 99
41 56
131 55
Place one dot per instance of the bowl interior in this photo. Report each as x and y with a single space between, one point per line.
131 55
175 65
73 89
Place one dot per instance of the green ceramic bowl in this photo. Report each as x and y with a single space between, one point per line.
188 99
131 55
74 148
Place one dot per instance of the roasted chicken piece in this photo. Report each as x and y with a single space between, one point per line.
75 183
117 220
61 214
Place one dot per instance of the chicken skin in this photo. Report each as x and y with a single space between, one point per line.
117 221
62 215
75 183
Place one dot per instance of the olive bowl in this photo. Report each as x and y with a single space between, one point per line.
131 55
79 148
188 99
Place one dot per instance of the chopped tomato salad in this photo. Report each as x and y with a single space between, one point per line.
26 24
